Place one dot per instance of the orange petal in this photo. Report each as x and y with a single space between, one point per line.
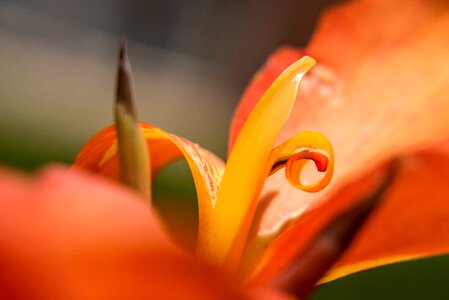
295 238
380 90
412 220
99 155
75 236
78 237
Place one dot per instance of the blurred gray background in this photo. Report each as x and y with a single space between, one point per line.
191 59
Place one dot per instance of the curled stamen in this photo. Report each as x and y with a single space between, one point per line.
321 161
285 155
296 163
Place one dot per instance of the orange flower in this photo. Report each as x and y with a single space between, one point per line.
379 93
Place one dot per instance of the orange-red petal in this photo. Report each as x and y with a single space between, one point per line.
411 222
80 237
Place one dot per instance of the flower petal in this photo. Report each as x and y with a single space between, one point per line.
99 155
412 220
380 90
287 155
247 169
75 236
261 81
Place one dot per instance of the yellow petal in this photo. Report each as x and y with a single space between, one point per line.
248 168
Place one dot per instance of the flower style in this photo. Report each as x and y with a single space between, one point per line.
379 93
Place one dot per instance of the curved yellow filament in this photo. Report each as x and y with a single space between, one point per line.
286 155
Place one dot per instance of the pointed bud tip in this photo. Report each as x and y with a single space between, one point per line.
134 162
122 52
124 91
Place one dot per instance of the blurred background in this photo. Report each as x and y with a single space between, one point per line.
191 60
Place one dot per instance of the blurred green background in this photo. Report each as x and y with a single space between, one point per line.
191 62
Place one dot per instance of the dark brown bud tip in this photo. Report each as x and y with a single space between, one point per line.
125 91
